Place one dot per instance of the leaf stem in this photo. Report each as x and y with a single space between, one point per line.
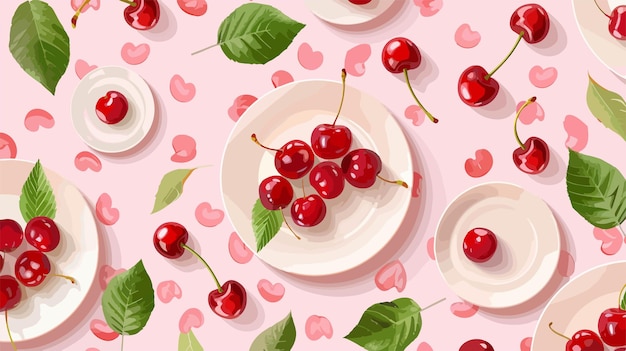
528 102
519 38
408 82
343 93
432 304
217 282
6 322
598 6
207 48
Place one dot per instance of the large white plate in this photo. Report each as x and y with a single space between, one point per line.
528 245
594 27
578 304
343 12
123 136
45 307
359 222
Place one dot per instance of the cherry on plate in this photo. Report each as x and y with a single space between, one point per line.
11 235
42 233
112 107
612 327
361 167
308 211
293 160
479 244
327 179
275 192
582 340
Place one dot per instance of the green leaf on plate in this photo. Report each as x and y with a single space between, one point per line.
596 189
256 33
171 187
37 197
189 342
279 337
607 106
265 224
128 300
39 43
622 298
388 326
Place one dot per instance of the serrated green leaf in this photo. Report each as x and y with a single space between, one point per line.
388 326
39 43
171 187
279 337
607 106
37 197
596 189
189 342
128 300
256 33
265 224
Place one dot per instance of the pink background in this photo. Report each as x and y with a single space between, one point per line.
132 179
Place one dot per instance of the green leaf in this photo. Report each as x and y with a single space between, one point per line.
256 33
279 337
265 224
607 106
596 189
622 298
171 188
388 326
128 300
39 43
188 342
37 197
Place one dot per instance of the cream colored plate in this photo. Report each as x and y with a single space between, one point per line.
343 12
528 245
359 222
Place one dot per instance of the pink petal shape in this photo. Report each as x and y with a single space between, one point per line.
415 114
577 133
95 4
182 91
168 290
566 264
281 78
239 252
429 7
106 273
270 292
81 67
134 55
193 7
525 344
465 37
423 346
479 166
391 275
542 78
86 160
417 185
36 118
318 326
612 240
308 58
207 216
240 105
106 214
101 329
532 112
8 148
355 59
430 248
192 318
92 349
184 148
463 309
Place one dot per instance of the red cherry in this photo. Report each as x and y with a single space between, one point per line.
169 239
11 235
533 156
42 233
10 293
112 107
612 326
582 340
308 211
1 261
360 2
532 20
275 192
229 301
327 179
32 267
480 244
361 167
476 345
145 15
617 22
476 87
293 160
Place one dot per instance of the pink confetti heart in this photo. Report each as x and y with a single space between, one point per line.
8 148
168 290
429 7
355 59
105 212
81 67
239 252
577 133
612 240
308 58
184 148
281 78
193 7
542 78
463 309
415 114
525 344
180 90
95 4
240 105
417 185
391 275
430 248
318 326
86 160
192 318
479 166
92 349
36 118
134 55
465 37
207 216
100 329
531 112
566 264
424 347
270 292
106 273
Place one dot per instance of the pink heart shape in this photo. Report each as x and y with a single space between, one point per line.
281 78
240 105
36 118
612 240
415 114
100 329
192 318
92 349
86 160
424 347
105 212
184 148
417 185
193 7
134 55
430 248
566 264
465 37
355 59
391 275
308 58
429 7
479 166
542 78
207 216
106 273
318 326
180 90
531 112
463 309
239 252
270 292
168 290
577 133
8 148
81 67
95 4
525 344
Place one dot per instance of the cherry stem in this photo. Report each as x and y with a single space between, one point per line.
122 346
621 293
399 182
519 38
129 2
80 8
253 137
217 282
556 332
207 48
343 93
6 322
432 304
598 6
528 102
72 280
408 82
288 226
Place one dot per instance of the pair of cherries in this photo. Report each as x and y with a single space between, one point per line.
612 332
139 14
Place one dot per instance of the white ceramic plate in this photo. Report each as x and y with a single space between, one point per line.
45 307
578 305
123 136
359 222
343 12
528 245
594 27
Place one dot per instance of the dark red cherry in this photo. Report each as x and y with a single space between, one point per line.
1 261
401 54
308 211
480 244
612 327
533 20
275 192
230 302
360 167
582 340
476 345
112 107
42 233
145 15
32 267
360 2
10 293
617 22
531 157
294 160
476 87
327 179
11 235
169 239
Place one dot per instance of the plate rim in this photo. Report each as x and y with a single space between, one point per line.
392 3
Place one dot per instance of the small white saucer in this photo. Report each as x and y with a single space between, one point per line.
343 12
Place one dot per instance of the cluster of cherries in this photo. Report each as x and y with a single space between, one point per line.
139 14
